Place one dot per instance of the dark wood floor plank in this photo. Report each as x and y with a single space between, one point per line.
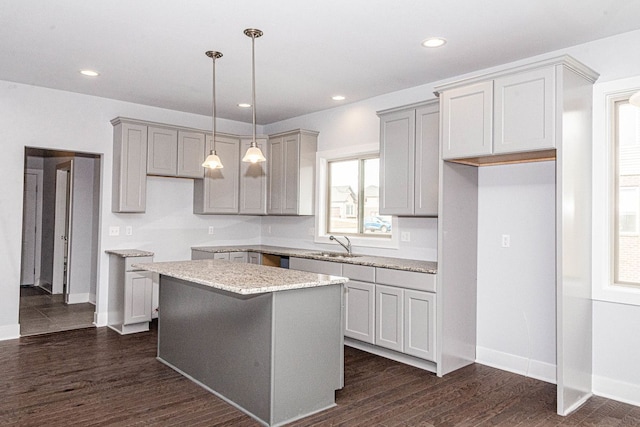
95 377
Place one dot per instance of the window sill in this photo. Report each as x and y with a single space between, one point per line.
620 294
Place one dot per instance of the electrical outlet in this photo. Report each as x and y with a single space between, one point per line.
268 229
211 229
128 230
114 230
506 241
405 236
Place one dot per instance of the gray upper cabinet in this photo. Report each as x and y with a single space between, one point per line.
218 192
129 166
510 114
173 152
467 121
524 111
162 152
253 180
191 153
409 160
291 173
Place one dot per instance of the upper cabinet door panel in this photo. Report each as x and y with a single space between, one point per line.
129 168
162 151
397 150
191 154
291 174
427 161
218 192
275 177
525 111
253 181
467 121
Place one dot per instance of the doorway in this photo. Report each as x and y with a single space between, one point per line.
59 271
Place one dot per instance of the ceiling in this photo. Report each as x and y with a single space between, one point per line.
152 51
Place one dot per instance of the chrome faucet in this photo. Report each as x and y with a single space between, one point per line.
346 247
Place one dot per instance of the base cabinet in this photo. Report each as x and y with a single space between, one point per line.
389 317
130 295
360 311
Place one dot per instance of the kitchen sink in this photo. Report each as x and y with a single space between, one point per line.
336 255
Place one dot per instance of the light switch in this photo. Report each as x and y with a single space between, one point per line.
506 240
128 230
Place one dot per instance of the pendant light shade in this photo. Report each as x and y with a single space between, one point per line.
254 154
635 99
213 161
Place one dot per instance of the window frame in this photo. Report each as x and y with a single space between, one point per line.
604 185
322 198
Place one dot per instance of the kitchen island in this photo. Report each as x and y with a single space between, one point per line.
265 339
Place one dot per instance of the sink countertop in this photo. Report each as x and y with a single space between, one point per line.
240 278
373 261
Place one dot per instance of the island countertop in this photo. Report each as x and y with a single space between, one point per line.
240 278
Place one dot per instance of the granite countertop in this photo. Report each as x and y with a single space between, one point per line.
240 278
373 261
126 253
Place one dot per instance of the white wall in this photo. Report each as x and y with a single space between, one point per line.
45 118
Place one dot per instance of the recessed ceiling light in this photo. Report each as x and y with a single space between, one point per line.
433 42
338 98
89 73
244 105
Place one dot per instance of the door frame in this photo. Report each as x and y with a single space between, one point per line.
65 197
39 173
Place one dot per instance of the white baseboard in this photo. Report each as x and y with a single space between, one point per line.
616 390
78 298
100 318
9 332
517 364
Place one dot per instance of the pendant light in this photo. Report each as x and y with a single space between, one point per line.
213 161
254 154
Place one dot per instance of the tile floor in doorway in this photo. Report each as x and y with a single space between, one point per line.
41 313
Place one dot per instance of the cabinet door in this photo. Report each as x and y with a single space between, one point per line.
137 297
218 192
525 111
427 161
129 168
360 311
221 255
255 258
253 181
162 151
389 317
467 121
275 177
191 154
397 151
238 257
420 324
291 174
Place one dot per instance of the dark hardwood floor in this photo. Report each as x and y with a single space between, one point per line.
95 377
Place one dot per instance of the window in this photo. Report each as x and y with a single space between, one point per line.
353 198
627 194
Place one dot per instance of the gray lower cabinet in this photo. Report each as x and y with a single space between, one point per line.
218 191
129 179
391 309
254 258
130 295
360 311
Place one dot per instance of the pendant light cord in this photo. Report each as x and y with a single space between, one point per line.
253 86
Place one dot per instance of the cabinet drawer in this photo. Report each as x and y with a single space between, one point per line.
128 261
406 279
359 272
